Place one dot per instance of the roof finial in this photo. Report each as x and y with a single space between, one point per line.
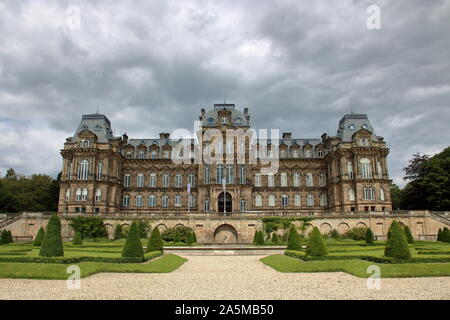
351 106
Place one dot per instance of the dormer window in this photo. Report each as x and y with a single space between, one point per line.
364 126
351 127
224 120
128 154
141 154
364 142
98 127
84 143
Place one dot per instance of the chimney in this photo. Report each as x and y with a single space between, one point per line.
164 135
287 135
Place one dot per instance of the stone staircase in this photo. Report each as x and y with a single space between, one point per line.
9 220
445 219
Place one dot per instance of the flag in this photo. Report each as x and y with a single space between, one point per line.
189 188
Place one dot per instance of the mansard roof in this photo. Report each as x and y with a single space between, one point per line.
98 124
351 123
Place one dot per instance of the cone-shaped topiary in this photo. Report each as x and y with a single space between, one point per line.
189 238
396 244
155 242
275 238
369 236
293 242
77 240
4 237
10 237
439 235
408 234
316 246
52 243
255 237
260 238
445 235
194 236
133 246
39 237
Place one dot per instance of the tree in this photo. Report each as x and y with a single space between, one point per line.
408 234
143 228
396 244
369 236
89 227
316 246
260 238
39 237
335 234
293 242
415 168
10 174
396 196
155 242
275 238
189 239
4 237
439 235
52 243
77 240
118 232
133 246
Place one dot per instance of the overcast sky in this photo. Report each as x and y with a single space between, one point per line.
150 66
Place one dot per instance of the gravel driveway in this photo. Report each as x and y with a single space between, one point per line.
226 277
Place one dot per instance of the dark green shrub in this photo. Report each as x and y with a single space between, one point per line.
439 235
89 227
194 236
316 246
4 237
155 242
356 233
260 238
255 237
369 236
275 238
118 232
10 237
396 244
446 235
133 245
77 240
175 234
408 234
335 234
52 243
143 228
293 242
189 238
39 236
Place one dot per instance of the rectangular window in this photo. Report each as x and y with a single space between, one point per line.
257 179
99 171
242 205
206 206
270 180
296 180
219 173
165 201
191 180
139 201
165 180
230 174
151 201
153 180
127 180
206 177
242 178
177 200
140 180
283 180
178 180
309 180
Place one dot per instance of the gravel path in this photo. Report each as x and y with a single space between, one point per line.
226 277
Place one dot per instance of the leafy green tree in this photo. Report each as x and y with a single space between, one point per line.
369 236
175 234
4 237
133 246
155 242
396 196
316 246
77 240
275 238
357 233
52 243
118 232
143 228
89 227
396 244
293 242
408 234
10 174
39 237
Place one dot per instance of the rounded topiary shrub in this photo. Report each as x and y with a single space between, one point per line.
155 242
52 243
255 237
316 246
293 241
275 238
77 240
39 237
133 246
408 234
369 236
396 244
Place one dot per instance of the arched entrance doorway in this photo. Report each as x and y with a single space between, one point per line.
225 233
227 202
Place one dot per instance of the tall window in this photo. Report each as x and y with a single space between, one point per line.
98 195
78 195
140 180
284 200
382 194
242 179
322 179
309 180
366 170
151 200
83 170
258 200
368 193
296 179
297 200
206 177
271 200
308 154
84 194
219 173
191 201
242 205
323 199
230 174
178 180
165 201
320 153
166 154
310 200
283 179
154 154
126 200
153 180
206 206
295 153
127 180
67 194
351 194
165 180
379 168
191 179
270 180
141 154
139 201
69 171
258 179
350 169
177 200
99 170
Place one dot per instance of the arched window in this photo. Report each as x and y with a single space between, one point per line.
140 180
178 180
350 169
166 154
258 200
128 154
366 170
322 179
177 200
242 205
139 201
165 201
206 206
309 180
154 154
83 170
296 179
152 180
127 180
99 170
126 200
165 180
98 195
308 154
283 179
368 193
271 200
141 154
379 168
284 200
310 200
351 194
295 153
67 194
84 194
323 200
151 200
297 200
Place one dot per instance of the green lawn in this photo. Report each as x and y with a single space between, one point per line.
166 263
357 267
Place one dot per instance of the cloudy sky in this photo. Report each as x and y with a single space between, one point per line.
151 65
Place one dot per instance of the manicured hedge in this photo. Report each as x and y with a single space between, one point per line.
52 245
316 246
39 237
133 246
